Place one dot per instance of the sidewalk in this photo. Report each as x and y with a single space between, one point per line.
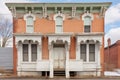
112 73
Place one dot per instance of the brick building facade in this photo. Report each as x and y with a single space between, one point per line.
58 37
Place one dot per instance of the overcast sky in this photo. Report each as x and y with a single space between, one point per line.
112 16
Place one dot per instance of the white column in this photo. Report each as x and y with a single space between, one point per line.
39 52
19 56
78 51
87 55
73 11
45 11
21 52
67 61
51 60
29 52
96 53
98 58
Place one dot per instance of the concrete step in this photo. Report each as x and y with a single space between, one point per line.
59 73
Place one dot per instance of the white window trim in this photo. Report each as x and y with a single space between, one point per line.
59 14
87 14
87 53
83 18
27 15
63 17
29 54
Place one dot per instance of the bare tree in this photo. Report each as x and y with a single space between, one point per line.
5 30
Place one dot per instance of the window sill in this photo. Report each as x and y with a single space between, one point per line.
89 62
28 62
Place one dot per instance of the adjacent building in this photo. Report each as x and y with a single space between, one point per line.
112 56
58 38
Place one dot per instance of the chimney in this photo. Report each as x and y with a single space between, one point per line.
109 41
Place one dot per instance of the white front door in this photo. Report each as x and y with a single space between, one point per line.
59 58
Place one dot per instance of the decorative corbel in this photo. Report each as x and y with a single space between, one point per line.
14 11
32 9
55 9
62 9
45 12
26 10
73 11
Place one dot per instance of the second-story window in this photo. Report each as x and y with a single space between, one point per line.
87 24
29 24
59 24
29 19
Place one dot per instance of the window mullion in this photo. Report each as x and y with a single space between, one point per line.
29 52
87 49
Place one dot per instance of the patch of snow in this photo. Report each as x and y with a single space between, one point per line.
0 74
117 70
111 73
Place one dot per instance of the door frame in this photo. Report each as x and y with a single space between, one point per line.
64 53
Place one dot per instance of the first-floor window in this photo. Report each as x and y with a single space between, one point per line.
91 52
83 51
87 52
25 52
29 52
34 52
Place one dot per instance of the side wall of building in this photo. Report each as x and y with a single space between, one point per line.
111 57
118 53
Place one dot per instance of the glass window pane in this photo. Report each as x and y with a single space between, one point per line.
29 20
29 24
59 23
87 20
59 28
83 52
34 52
59 20
29 29
86 28
25 52
91 52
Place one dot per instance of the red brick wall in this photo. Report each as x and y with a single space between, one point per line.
69 25
118 43
73 48
45 52
112 55
14 48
